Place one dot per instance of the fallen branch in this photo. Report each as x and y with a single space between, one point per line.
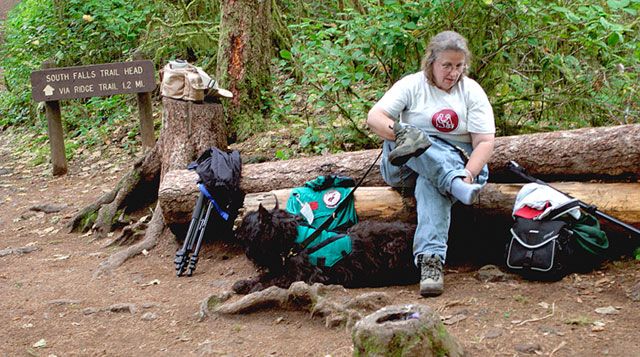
553 310
562 344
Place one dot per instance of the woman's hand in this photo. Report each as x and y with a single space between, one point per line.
469 178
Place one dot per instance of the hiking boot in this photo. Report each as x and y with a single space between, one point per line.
431 275
410 142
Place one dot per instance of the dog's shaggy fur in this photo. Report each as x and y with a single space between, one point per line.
381 254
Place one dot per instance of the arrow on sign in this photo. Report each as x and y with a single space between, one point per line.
48 90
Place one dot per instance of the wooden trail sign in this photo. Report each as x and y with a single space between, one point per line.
92 81
52 84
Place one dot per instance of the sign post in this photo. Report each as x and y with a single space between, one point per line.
54 129
50 85
146 115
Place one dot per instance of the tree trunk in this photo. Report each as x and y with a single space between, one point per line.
358 6
244 54
609 154
188 129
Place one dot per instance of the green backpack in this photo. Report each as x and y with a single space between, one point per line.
589 235
316 201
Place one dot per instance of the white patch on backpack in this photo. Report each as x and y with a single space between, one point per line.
331 198
305 209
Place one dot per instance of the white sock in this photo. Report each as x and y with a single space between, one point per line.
466 193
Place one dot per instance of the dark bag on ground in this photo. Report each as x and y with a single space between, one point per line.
219 175
539 250
549 248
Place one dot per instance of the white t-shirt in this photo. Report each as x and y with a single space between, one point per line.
465 109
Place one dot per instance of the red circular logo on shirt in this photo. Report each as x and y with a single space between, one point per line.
445 120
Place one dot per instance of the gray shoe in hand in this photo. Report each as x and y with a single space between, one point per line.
410 142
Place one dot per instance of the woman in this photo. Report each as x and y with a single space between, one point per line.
438 130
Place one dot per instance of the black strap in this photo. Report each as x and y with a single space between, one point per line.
562 209
463 154
303 245
325 243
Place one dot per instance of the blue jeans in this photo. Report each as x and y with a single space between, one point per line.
430 174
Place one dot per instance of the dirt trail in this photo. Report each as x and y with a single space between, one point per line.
50 305
6 6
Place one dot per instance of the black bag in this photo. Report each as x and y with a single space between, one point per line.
540 250
220 174
557 244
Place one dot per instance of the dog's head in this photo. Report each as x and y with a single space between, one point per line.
268 236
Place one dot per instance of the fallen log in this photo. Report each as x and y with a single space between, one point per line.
478 233
620 200
605 153
178 193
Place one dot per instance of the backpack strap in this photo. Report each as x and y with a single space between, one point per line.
206 194
562 209
463 154
325 243
322 261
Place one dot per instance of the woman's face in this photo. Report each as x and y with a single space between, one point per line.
447 68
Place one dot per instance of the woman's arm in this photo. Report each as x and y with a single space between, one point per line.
482 150
381 123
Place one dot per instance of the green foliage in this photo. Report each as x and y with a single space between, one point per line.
545 65
72 33
99 121
342 63
184 30
558 66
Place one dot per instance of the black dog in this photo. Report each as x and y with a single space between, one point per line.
381 254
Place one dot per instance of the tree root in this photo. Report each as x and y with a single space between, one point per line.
154 230
131 233
301 297
83 220
132 190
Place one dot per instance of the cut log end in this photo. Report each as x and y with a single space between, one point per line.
404 330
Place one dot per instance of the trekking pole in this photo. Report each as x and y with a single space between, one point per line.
520 171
